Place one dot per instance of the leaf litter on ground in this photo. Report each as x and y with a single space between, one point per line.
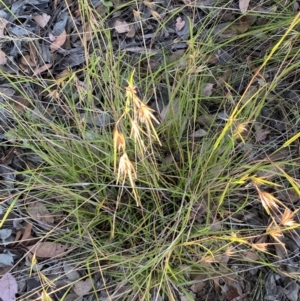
8 287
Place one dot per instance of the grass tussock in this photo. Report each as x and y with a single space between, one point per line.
155 173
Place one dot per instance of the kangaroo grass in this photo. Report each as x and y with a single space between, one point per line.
158 193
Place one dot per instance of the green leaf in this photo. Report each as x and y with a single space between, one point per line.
108 3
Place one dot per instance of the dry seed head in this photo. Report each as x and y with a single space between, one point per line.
136 102
261 246
131 97
136 134
54 94
275 232
268 201
119 140
149 4
229 251
136 14
145 114
208 259
135 130
155 14
126 169
240 129
130 91
287 218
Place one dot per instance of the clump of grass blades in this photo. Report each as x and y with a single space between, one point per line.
133 215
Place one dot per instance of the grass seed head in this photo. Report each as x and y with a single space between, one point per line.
119 140
145 114
131 95
240 130
126 169
268 201
260 246
287 218
276 233
135 133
